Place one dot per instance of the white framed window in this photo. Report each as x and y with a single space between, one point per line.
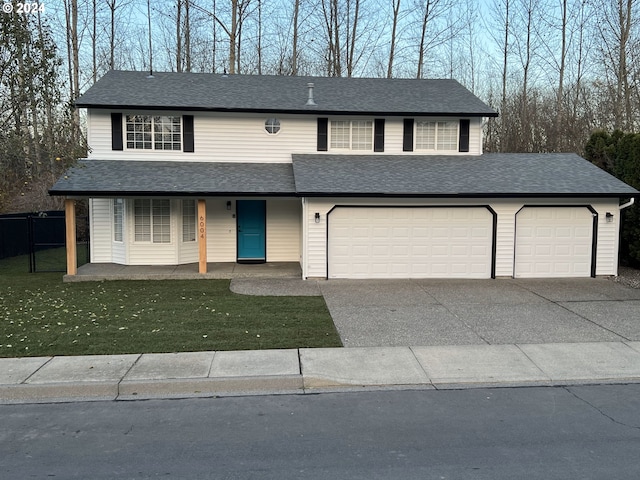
188 220
118 217
153 132
138 132
152 220
272 126
352 135
441 135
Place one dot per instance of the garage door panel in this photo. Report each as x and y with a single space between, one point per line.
417 242
553 242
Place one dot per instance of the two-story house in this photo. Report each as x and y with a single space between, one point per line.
350 177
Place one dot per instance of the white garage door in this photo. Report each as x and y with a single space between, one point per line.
401 242
553 242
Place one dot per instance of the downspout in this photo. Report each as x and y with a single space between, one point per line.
305 230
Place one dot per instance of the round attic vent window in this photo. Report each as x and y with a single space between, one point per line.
272 125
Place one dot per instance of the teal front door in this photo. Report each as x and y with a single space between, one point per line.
251 217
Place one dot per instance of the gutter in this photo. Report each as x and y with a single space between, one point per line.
628 204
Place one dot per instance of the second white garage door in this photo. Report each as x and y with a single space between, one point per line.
553 242
402 242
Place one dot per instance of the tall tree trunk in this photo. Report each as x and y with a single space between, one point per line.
337 67
178 36
112 36
294 53
232 36
524 106
94 35
425 21
187 36
259 37
557 142
394 27
505 63
76 70
624 92
67 19
352 46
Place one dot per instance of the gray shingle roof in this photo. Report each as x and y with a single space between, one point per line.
489 175
216 92
549 175
121 177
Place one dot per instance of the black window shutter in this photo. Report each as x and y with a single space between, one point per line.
407 136
187 133
323 134
116 131
464 136
378 135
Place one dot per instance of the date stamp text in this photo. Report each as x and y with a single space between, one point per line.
23 8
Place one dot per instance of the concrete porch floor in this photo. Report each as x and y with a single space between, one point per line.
92 272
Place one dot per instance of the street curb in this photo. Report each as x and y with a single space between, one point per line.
58 392
207 387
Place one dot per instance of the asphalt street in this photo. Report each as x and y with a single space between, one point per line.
586 432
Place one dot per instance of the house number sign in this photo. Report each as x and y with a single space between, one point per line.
202 227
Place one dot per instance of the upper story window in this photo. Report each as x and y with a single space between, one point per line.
352 135
153 132
437 135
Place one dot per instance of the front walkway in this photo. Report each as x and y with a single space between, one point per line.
92 272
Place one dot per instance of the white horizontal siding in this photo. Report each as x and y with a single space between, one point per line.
475 136
284 220
233 137
217 138
505 235
100 230
221 230
608 235
188 252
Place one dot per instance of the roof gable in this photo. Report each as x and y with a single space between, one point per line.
270 93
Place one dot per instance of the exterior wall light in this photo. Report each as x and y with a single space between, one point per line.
317 217
609 217
228 205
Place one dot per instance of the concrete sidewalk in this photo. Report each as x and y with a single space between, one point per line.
306 370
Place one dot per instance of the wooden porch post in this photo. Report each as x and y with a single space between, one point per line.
70 231
202 236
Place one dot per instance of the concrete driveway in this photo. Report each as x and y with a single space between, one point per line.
467 312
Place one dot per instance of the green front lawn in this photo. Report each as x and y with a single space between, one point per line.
40 315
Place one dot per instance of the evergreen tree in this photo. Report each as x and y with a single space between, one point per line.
619 154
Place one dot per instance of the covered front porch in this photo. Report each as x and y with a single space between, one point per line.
92 272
